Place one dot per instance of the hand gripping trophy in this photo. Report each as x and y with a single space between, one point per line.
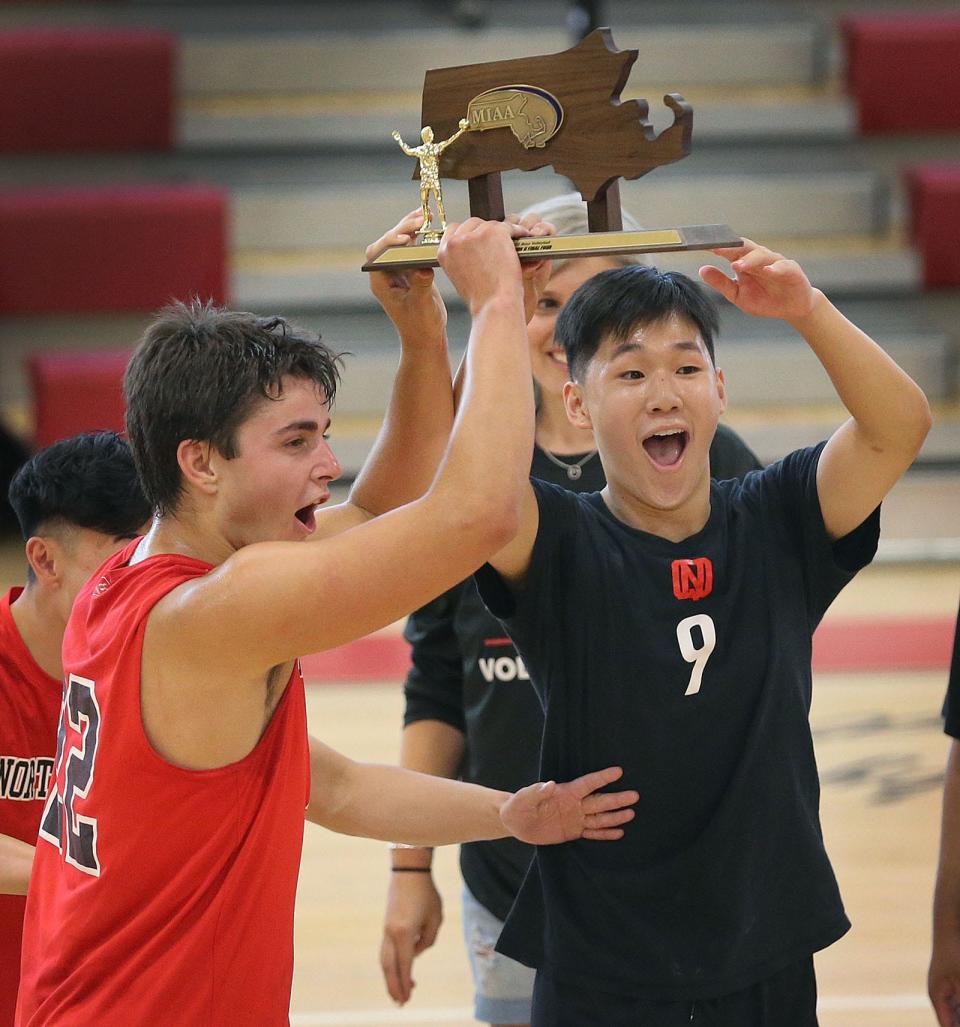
428 154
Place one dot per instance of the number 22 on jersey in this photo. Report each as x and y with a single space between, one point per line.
77 740
694 653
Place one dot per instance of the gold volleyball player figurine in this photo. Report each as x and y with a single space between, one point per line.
428 154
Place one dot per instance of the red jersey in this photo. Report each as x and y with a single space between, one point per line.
159 895
29 711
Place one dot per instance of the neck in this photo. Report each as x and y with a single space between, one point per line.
40 624
183 536
555 432
673 525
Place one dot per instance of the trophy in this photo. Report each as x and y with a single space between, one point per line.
428 154
559 109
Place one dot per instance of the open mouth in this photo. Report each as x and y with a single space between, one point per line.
306 515
665 448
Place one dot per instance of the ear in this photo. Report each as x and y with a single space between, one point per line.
576 405
196 465
722 390
45 557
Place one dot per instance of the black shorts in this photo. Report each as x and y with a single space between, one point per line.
787 999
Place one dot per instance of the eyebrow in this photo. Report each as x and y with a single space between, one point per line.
301 426
631 346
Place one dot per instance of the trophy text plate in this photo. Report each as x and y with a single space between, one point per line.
594 244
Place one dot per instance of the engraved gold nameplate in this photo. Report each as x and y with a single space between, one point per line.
563 247
532 114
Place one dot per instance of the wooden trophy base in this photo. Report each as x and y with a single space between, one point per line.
564 247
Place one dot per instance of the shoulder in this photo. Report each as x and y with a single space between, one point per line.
565 514
793 474
124 592
554 496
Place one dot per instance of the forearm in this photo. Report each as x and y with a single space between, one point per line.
395 804
946 898
428 747
489 454
16 862
414 434
889 409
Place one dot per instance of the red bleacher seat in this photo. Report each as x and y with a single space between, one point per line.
934 192
86 90
903 71
75 392
95 249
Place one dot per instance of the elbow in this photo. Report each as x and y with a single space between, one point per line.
904 426
506 528
494 528
486 523
921 421
502 516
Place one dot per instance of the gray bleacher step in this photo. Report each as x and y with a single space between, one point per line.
759 205
740 53
381 162
776 434
325 121
373 17
23 335
327 282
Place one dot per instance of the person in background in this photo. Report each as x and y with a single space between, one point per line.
944 977
77 502
470 709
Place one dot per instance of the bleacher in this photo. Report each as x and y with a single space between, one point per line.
243 152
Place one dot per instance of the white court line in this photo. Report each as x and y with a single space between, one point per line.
909 1001
377 1017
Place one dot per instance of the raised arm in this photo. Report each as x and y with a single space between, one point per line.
410 152
419 417
273 601
889 414
463 126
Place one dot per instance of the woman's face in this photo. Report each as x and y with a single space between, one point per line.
546 356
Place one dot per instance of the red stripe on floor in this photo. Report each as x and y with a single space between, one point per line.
381 657
892 644
887 644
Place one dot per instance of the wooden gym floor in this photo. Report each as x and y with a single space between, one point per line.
881 753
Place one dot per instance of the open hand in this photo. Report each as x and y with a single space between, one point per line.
767 284
548 813
409 295
414 915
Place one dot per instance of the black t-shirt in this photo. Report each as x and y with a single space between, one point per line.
951 705
688 664
467 673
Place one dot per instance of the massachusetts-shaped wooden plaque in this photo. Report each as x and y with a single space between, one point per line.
561 110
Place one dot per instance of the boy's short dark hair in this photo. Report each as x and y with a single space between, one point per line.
616 301
89 481
198 373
